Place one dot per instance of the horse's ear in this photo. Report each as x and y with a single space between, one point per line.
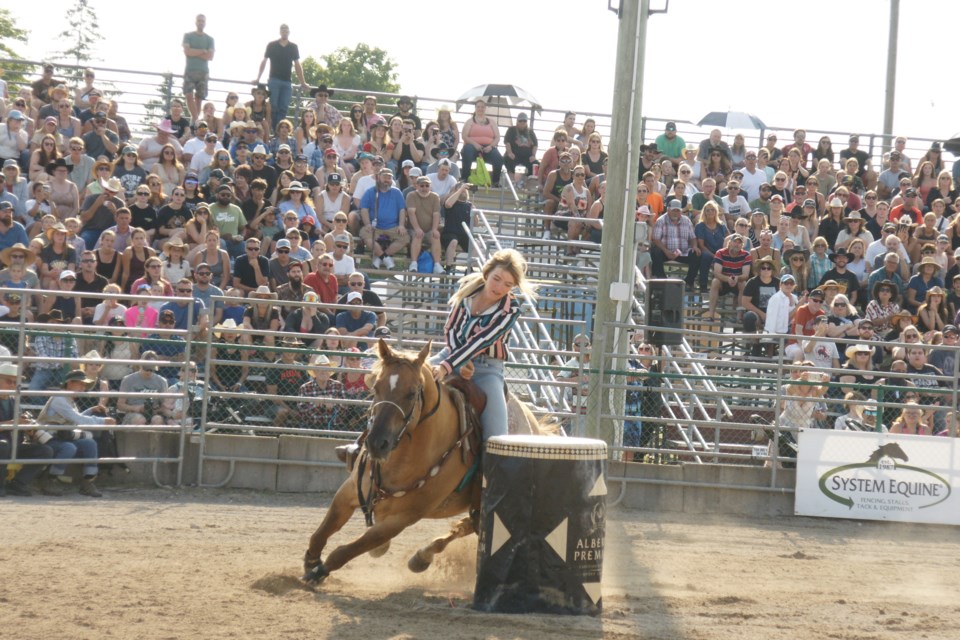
422 356
384 348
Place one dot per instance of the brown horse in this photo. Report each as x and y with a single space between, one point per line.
412 467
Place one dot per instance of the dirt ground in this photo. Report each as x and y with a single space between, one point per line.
151 563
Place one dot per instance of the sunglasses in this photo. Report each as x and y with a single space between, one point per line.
184 290
283 250
766 267
204 273
253 248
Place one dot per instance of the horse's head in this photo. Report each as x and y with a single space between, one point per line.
397 383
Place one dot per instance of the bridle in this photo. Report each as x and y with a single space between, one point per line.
408 415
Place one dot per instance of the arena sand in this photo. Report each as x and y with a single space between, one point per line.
151 563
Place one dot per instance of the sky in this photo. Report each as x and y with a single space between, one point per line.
819 64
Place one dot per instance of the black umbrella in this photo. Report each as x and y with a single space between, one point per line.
731 120
953 144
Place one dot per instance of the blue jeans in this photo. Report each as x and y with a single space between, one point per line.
488 375
90 236
280 93
68 450
44 379
493 159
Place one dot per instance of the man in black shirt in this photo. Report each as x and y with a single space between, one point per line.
262 170
282 54
840 274
865 171
89 281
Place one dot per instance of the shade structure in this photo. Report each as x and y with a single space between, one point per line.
510 94
731 120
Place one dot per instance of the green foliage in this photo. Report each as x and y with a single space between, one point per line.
159 106
81 37
364 68
14 74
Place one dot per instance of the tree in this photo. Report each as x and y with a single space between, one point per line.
363 68
13 73
81 35
157 107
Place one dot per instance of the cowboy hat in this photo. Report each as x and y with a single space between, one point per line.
263 292
295 185
928 262
890 284
903 314
93 354
935 291
291 341
260 87
832 284
857 348
853 215
77 375
9 370
175 243
56 164
113 184
323 88
166 126
906 220
62 228
836 202
259 150
789 253
31 255
846 254
237 124
224 327
318 360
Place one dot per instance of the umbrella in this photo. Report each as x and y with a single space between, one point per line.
731 120
953 144
508 94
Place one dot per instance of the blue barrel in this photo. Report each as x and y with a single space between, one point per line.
541 525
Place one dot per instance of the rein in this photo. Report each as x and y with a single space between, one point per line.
376 492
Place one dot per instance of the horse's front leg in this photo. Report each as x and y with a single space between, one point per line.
421 560
377 535
341 509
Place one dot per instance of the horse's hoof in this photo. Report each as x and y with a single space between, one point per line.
417 564
315 575
379 551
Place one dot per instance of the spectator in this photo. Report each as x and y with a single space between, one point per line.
262 316
325 113
370 298
51 346
144 409
357 321
250 271
323 282
781 306
383 213
883 304
285 379
711 234
846 279
229 369
731 269
229 221
323 414
151 147
167 346
13 138
756 297
295 288
674 240
282 54
923 281
11 231
913 420
423 211
277 265
176 410
308 319
643 400
480 139
19 485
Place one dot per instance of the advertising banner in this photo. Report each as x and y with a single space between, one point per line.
878 476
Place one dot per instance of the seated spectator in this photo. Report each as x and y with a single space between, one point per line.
756 296
323 282
853 419
355 282
354 379
924 280
285 379
323 414
357 321
65 304
251 271
294 288
383 214
781 307
174 265
217 260
343 264
167 346
26 448
674 240
308 319
229 369
731 269
261 315
883 305
176 410
144 409
913 420
142 314
933 314
423 212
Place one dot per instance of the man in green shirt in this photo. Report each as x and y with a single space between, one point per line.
671 145
198 48
229 220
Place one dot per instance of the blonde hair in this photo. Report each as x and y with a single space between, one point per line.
508 259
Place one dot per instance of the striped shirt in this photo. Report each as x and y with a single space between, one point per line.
468 335
732 265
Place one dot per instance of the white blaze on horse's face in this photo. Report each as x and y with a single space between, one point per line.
393 381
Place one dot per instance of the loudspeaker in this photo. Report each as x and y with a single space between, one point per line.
665 309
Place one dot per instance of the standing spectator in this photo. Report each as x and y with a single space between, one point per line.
51 345
282 54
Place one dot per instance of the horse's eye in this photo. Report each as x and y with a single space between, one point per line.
411 395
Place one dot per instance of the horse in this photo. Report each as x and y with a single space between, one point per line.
417 463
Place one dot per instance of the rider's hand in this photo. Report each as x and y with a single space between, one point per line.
466 371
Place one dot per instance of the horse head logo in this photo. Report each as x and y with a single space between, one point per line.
890 450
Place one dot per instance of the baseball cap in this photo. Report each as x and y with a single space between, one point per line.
910 193
341 238
676 204
67 273
810 202
407 163
522 116
334 178
354 295
671 126
301 158
283 243
10 163
4 205
854 137
951 328
331 152
787 278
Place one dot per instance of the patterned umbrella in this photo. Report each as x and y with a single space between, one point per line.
731 120
509 94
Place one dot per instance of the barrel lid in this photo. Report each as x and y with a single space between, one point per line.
547 447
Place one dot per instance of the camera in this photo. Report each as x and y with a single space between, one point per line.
472 188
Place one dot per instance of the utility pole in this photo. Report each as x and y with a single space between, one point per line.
618 249
891 75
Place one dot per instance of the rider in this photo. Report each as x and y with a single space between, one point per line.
483 310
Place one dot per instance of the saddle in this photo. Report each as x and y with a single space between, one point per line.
471 393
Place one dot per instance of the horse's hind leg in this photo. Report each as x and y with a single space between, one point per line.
424 557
